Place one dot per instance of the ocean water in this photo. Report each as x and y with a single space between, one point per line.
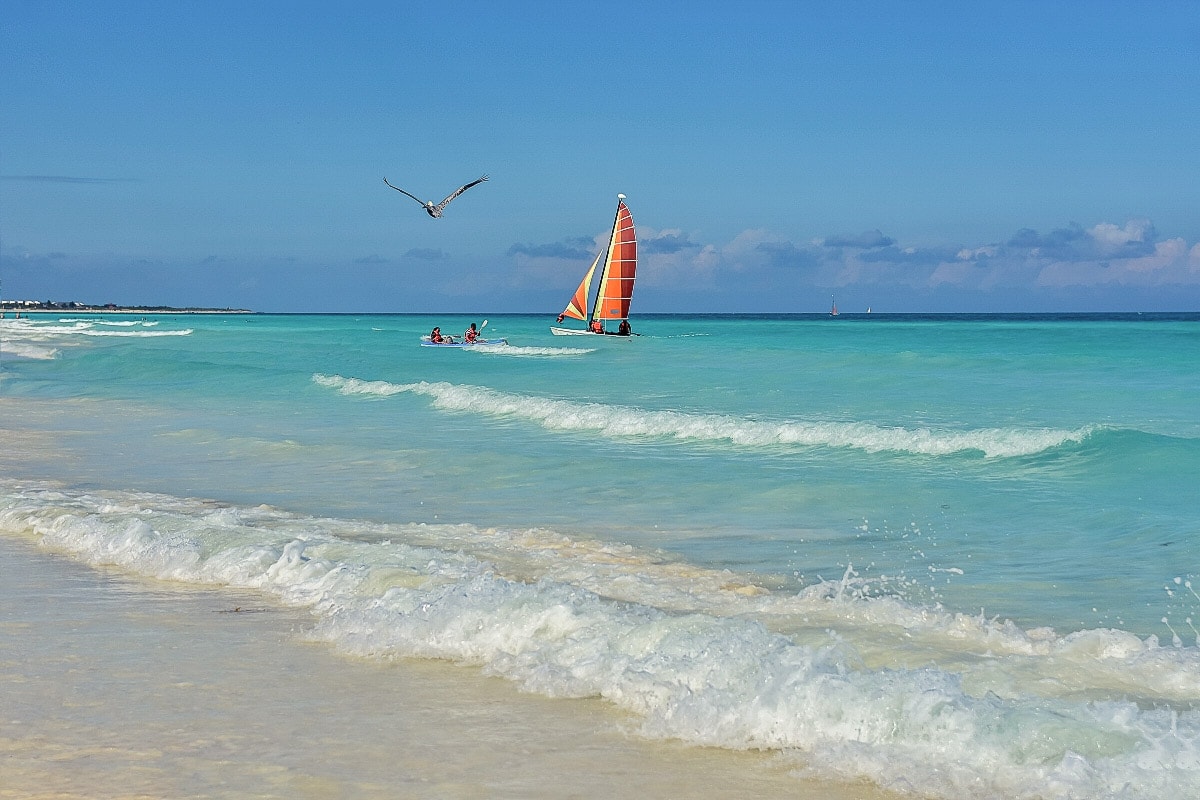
952 556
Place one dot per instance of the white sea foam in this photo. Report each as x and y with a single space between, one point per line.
137 334
692 652
518 351
27 339
35 339
623 421
64 331
115 322
26 349
33 326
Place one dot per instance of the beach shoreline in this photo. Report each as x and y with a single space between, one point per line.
8 309
119 687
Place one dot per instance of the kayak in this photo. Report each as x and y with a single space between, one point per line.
477 343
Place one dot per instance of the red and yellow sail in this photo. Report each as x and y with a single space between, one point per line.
577 308
616 281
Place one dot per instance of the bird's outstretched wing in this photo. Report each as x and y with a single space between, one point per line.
457 192
401 191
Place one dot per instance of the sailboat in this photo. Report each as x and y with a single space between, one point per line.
617 265
833 312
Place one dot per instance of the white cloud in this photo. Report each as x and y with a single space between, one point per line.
1167 253
1109 237
951 273
1168 264
744 250
974 253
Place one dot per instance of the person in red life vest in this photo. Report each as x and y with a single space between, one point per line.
436 337
597 326
471 334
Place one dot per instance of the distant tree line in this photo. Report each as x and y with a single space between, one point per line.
72 305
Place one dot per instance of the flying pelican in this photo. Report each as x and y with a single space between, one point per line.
430 208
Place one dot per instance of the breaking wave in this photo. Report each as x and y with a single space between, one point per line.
622 421
695 654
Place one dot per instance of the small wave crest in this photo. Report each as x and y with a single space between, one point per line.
64 330
137 334
624 421
117 323
29 350
518 351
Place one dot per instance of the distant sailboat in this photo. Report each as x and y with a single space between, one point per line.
618 264
833 312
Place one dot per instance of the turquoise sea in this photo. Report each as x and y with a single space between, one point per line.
952 556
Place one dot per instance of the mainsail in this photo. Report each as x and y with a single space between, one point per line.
616 278
616 282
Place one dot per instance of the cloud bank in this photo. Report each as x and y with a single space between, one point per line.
1103 255
1106 264
1102 266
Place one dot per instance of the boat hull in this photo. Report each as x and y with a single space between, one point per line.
574 332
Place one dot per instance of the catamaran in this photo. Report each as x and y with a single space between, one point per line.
617 263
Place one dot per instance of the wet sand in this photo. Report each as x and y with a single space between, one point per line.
115 687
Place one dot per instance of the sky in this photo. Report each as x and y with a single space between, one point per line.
903 156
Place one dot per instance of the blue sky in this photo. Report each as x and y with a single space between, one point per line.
915 156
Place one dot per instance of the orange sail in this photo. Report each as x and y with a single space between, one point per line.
616 282
578 308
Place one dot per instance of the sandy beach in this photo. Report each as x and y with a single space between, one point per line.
121 688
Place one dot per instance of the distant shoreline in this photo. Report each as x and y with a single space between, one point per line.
24 307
